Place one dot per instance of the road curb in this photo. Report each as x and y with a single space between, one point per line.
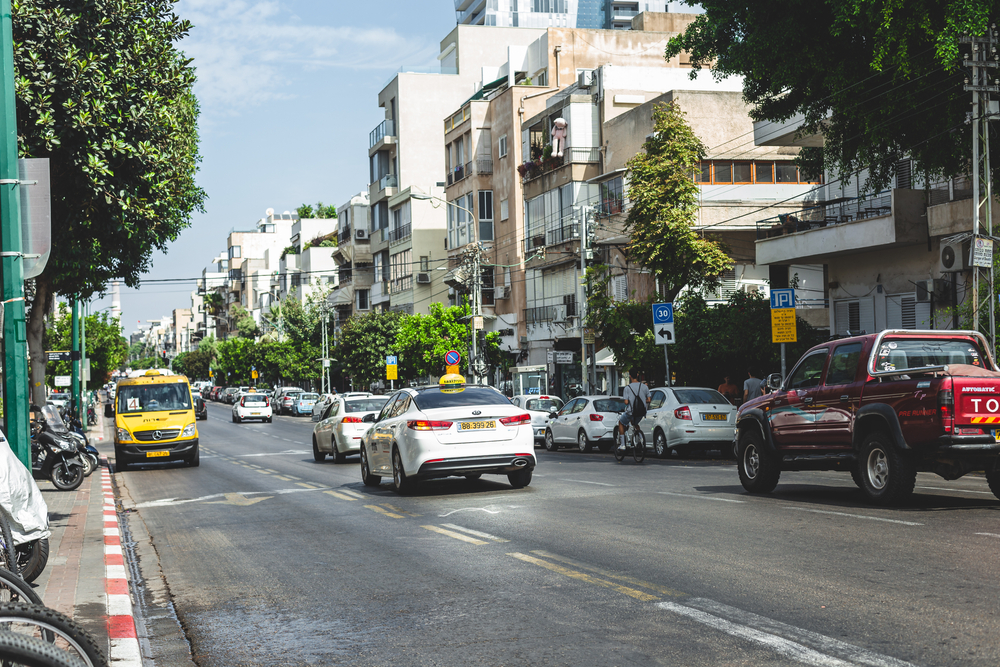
121 621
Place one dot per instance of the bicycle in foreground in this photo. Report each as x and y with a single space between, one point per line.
635 442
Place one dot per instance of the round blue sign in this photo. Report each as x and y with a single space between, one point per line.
451 357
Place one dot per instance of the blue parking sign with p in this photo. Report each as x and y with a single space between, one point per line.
782 298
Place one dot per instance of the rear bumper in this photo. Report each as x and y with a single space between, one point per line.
967 444
497 465
131 452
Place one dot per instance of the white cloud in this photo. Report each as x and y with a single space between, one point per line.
248 52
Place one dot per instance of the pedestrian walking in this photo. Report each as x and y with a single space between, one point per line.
751 386
729 390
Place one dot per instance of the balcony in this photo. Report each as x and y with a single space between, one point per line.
384 131
484 165
459 173
843 227
397 234
344 236
388 181
534 168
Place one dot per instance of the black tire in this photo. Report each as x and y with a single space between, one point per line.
234 418
237 419
550 443
887 475
856 475
88 465
582 443
32 558
18 649
638 446
318 456
66 477
759 469
367 478
338 456
993 479
269 420
619 452
56 629
660 446
8 553
520 479
194 460
401 484
15 589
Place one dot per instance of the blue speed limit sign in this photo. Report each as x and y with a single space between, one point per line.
663 323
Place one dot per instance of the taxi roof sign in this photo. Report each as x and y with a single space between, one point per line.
452 383
152 372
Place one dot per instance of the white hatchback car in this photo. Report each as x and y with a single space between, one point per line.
444 431
539 407
251 406
342 424
688 419
585 421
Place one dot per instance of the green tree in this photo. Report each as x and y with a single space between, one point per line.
105 347
213 302
104 93
882 80
283 362
320 211
195 364
365 341
665 206
236 359
423 340
246 327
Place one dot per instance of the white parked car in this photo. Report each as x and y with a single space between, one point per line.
444 431
539 407
342 424
319 407
688 419
586 421
251 406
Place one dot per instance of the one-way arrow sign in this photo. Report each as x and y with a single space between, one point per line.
663 323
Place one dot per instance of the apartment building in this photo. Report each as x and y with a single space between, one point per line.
353 257
610 14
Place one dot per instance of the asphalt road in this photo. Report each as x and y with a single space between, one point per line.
273 559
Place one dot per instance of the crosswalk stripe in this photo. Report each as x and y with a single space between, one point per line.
485 536
384 512
339 495
457 536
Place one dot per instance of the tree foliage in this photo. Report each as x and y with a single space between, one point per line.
665 206
883 80
105 347
423 340
365 341
320 211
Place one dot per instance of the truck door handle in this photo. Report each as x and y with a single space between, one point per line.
845 398
807 399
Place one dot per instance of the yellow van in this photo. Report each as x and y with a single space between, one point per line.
154 420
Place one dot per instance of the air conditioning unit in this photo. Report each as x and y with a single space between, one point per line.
559 314
955 256
361 234
935 288
502 292
585 79
423 279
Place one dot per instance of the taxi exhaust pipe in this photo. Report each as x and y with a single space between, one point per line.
520 463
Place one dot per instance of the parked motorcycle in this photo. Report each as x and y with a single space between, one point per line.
54 454
88 453
25 507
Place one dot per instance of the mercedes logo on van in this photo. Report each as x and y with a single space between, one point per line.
157 435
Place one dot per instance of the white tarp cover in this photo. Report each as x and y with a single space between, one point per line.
22 498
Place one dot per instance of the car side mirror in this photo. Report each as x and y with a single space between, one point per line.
774 381
109 410
553 414
369 418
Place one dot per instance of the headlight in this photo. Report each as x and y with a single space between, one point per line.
124 435
66 445
188 431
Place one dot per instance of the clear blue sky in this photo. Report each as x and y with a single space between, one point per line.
288 92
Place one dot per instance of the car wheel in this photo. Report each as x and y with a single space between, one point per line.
887 475
660 447
400 482
239 420
520 479
550 443
234 418
856 475
269 420
759 470
120 464
338 456
993 479
318 456
367 478
194 460
582 443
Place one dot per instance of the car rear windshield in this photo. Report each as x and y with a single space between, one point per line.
609 405
911 353
428 399
699 396
543 404
154 397
364 405
292 394
308 397
254 400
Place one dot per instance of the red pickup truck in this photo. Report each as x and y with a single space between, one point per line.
883 407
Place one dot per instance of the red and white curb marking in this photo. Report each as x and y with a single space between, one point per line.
121 624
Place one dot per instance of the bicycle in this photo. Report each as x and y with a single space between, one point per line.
635 441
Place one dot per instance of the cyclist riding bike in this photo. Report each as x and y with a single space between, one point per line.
637 398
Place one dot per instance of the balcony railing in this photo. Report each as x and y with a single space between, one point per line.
401 284
344 236
484 165
837 212
384 129
459 172
550 313
533 169
345 277
562 233
398 233
387 181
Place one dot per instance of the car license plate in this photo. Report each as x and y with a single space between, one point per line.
714 417
470 426
254 414
152 454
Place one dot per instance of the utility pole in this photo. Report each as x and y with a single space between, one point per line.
982 61
15 344
75 355
581 291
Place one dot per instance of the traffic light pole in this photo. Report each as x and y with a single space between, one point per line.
15 341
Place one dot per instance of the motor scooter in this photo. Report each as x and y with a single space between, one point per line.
54 454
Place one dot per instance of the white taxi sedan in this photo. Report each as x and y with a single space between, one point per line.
251 406
444 431
342 424
539 407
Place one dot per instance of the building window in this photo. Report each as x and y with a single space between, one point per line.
425 263
542 78
400 271
727 172
612 196
362 300
504 213
502 146
234 252
485 215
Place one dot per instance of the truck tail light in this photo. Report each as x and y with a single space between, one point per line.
594 417
683 412
946 408
350 420
425 425
516 421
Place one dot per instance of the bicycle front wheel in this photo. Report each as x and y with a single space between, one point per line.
638 446
619 452
15 589
18 649
53 627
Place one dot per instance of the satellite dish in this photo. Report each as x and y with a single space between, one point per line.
269 212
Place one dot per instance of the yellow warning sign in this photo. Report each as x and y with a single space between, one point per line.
783 328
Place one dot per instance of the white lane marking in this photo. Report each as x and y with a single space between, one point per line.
988 534
164 502
284 453
827 645
351 493
477 533
856 516
941 488
469 509
692 495
583 481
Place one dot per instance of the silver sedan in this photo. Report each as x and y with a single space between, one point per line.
342 424
584 422
688 419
